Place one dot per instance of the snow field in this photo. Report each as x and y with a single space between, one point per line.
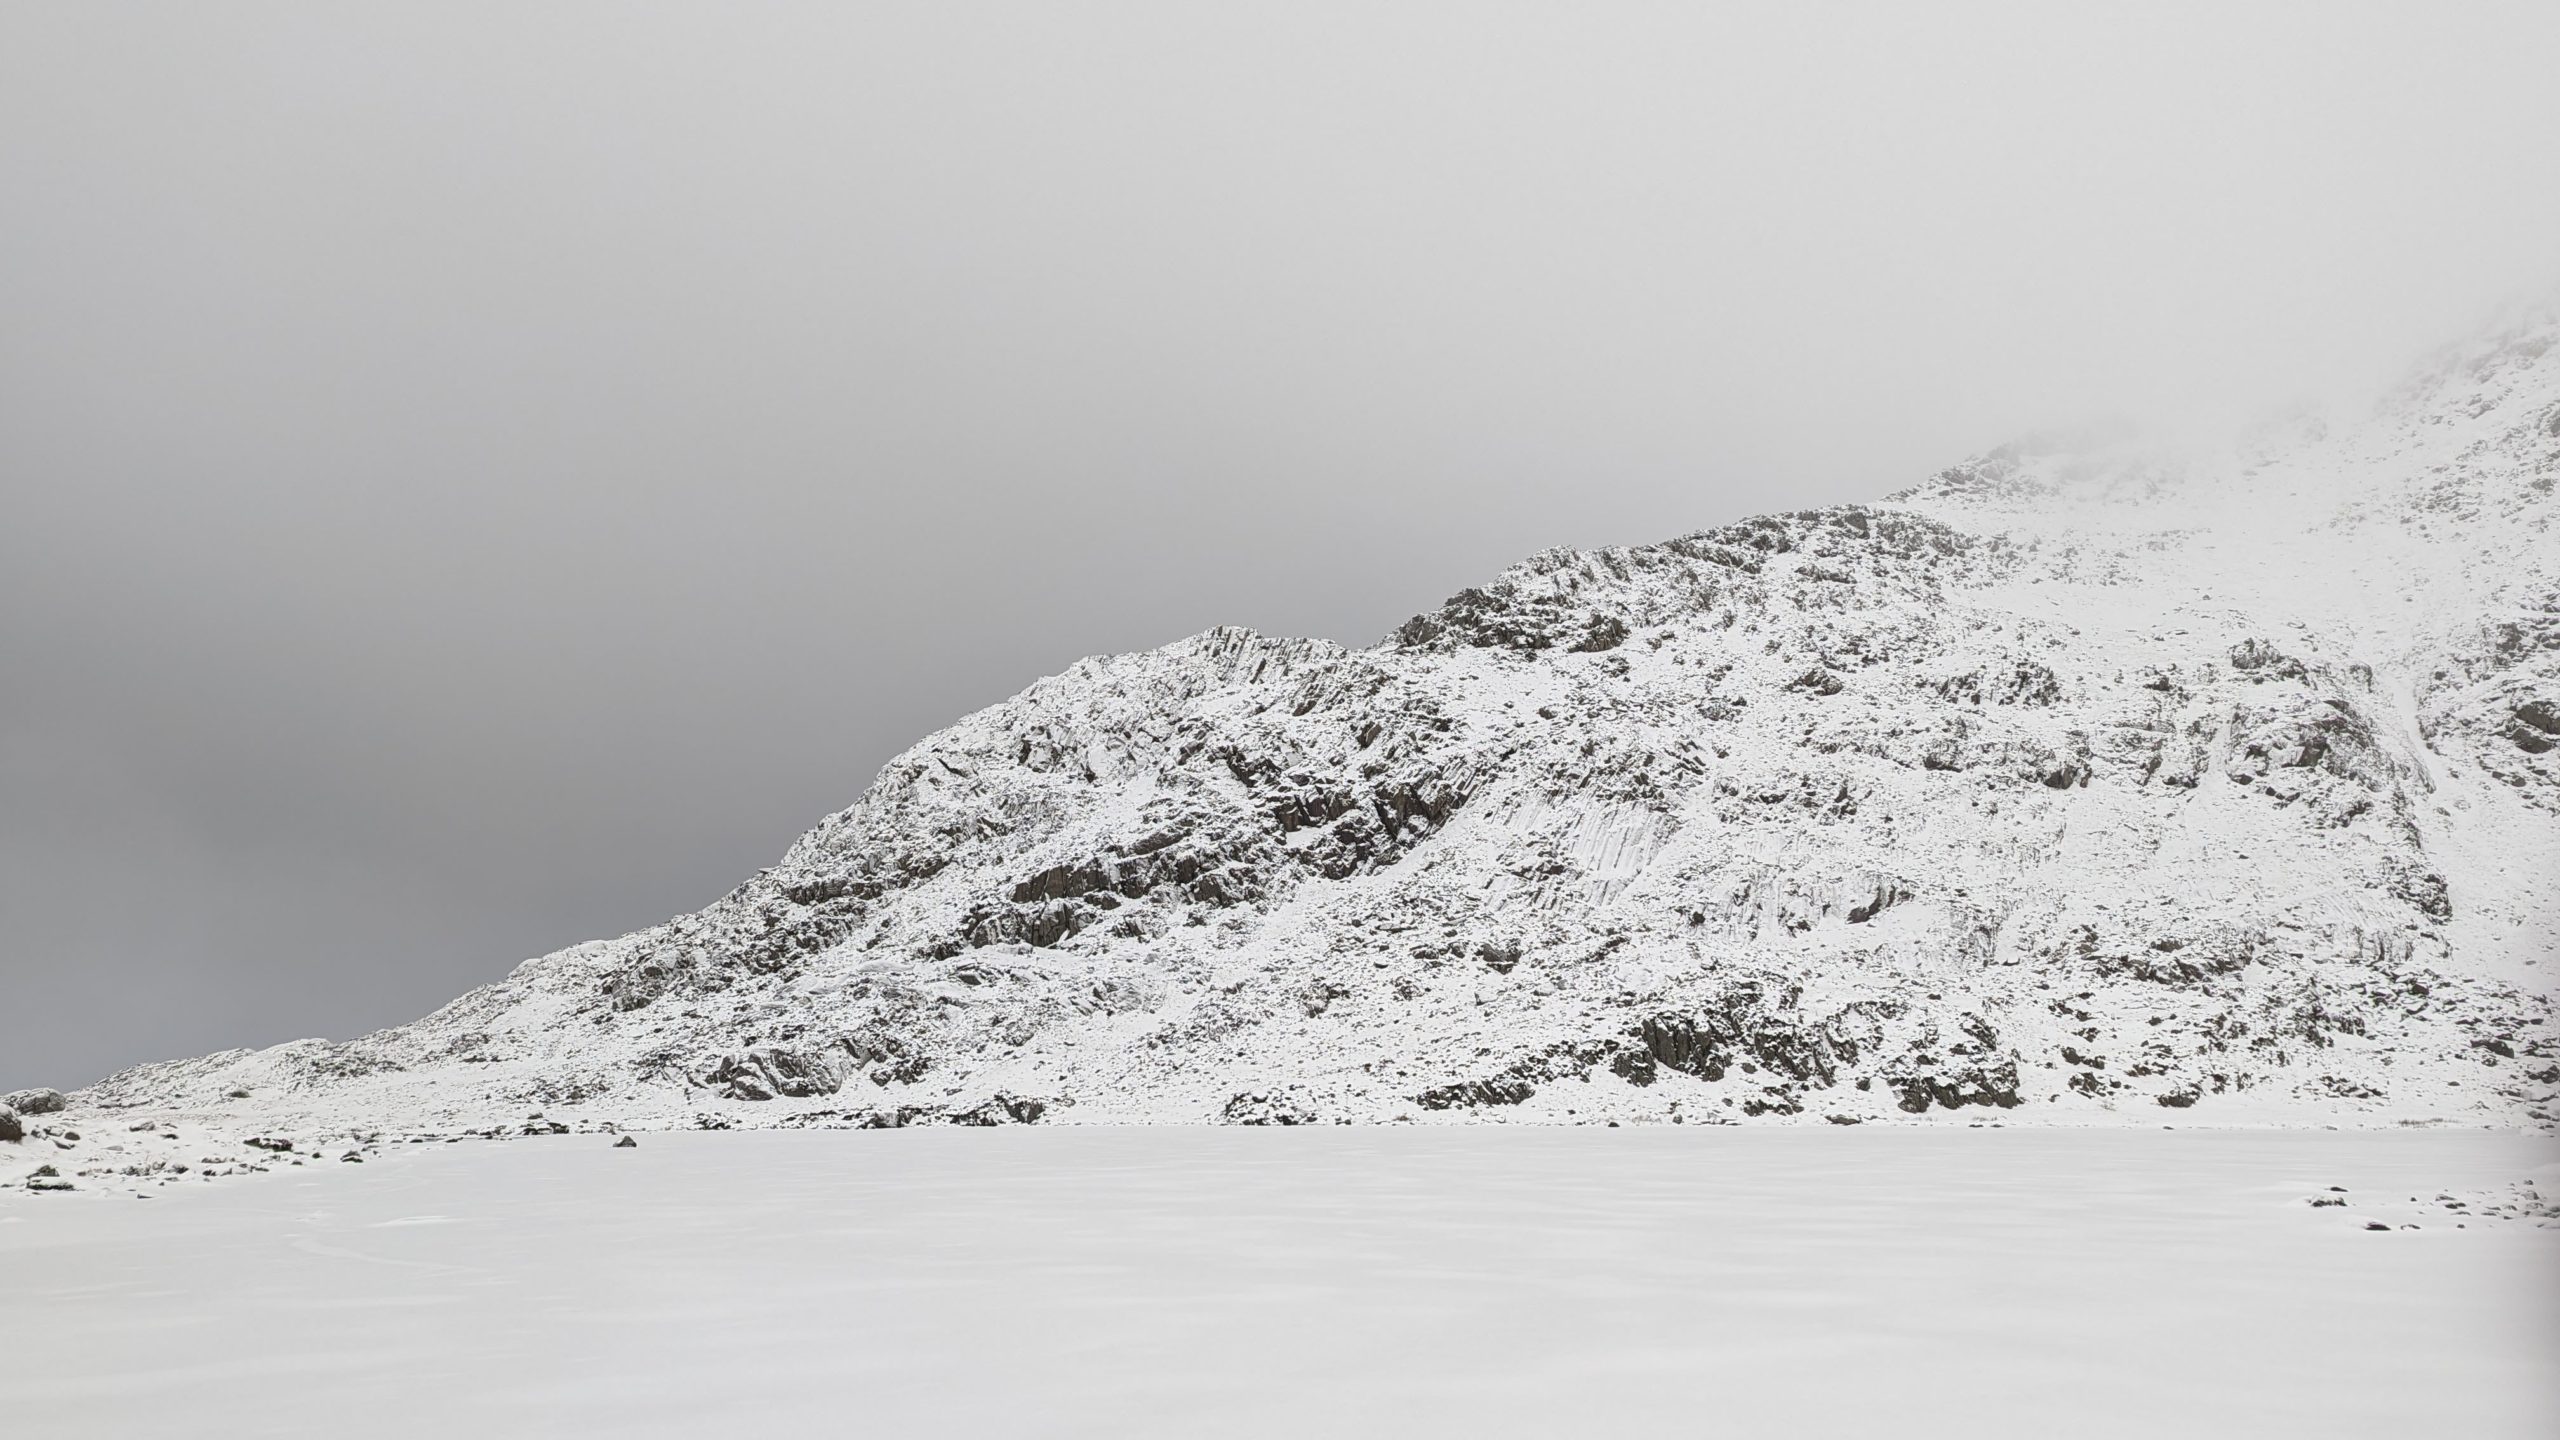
1337 1281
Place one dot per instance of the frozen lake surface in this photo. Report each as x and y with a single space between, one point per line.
1486 1281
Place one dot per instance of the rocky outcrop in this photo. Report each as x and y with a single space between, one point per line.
33 1102
764 1072
1993 1084
1472 1093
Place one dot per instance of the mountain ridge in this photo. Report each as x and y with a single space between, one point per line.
2078 783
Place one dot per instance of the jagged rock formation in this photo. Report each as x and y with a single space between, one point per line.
2071 784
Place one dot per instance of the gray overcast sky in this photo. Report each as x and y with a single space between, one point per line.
477 477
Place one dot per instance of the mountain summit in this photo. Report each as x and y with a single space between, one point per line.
2075 782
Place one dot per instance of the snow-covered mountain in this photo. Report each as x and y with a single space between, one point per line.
2073 783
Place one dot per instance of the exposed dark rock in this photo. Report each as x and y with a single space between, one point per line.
626 1143
1744 1024
764 1072
1773 1100
2060 770
2422 890
1565 1060
1255 1107
38 1101
898 1118
11 1128
1817 681
893 1058
1636 1067
2535 727
2261 661
1002 1109
1472 1093
1601 632
1993 1084
1677 1043
636 987
1317 996
2171 961
1883 897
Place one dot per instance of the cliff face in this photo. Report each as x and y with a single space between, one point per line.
2071 784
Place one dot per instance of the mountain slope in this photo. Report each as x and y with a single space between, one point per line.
2073 783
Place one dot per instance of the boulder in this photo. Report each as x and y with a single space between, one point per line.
39 1101
10 1127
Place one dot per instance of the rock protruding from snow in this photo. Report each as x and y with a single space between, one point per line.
763 1072
34 1102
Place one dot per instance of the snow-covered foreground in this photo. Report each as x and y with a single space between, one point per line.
1096 1281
